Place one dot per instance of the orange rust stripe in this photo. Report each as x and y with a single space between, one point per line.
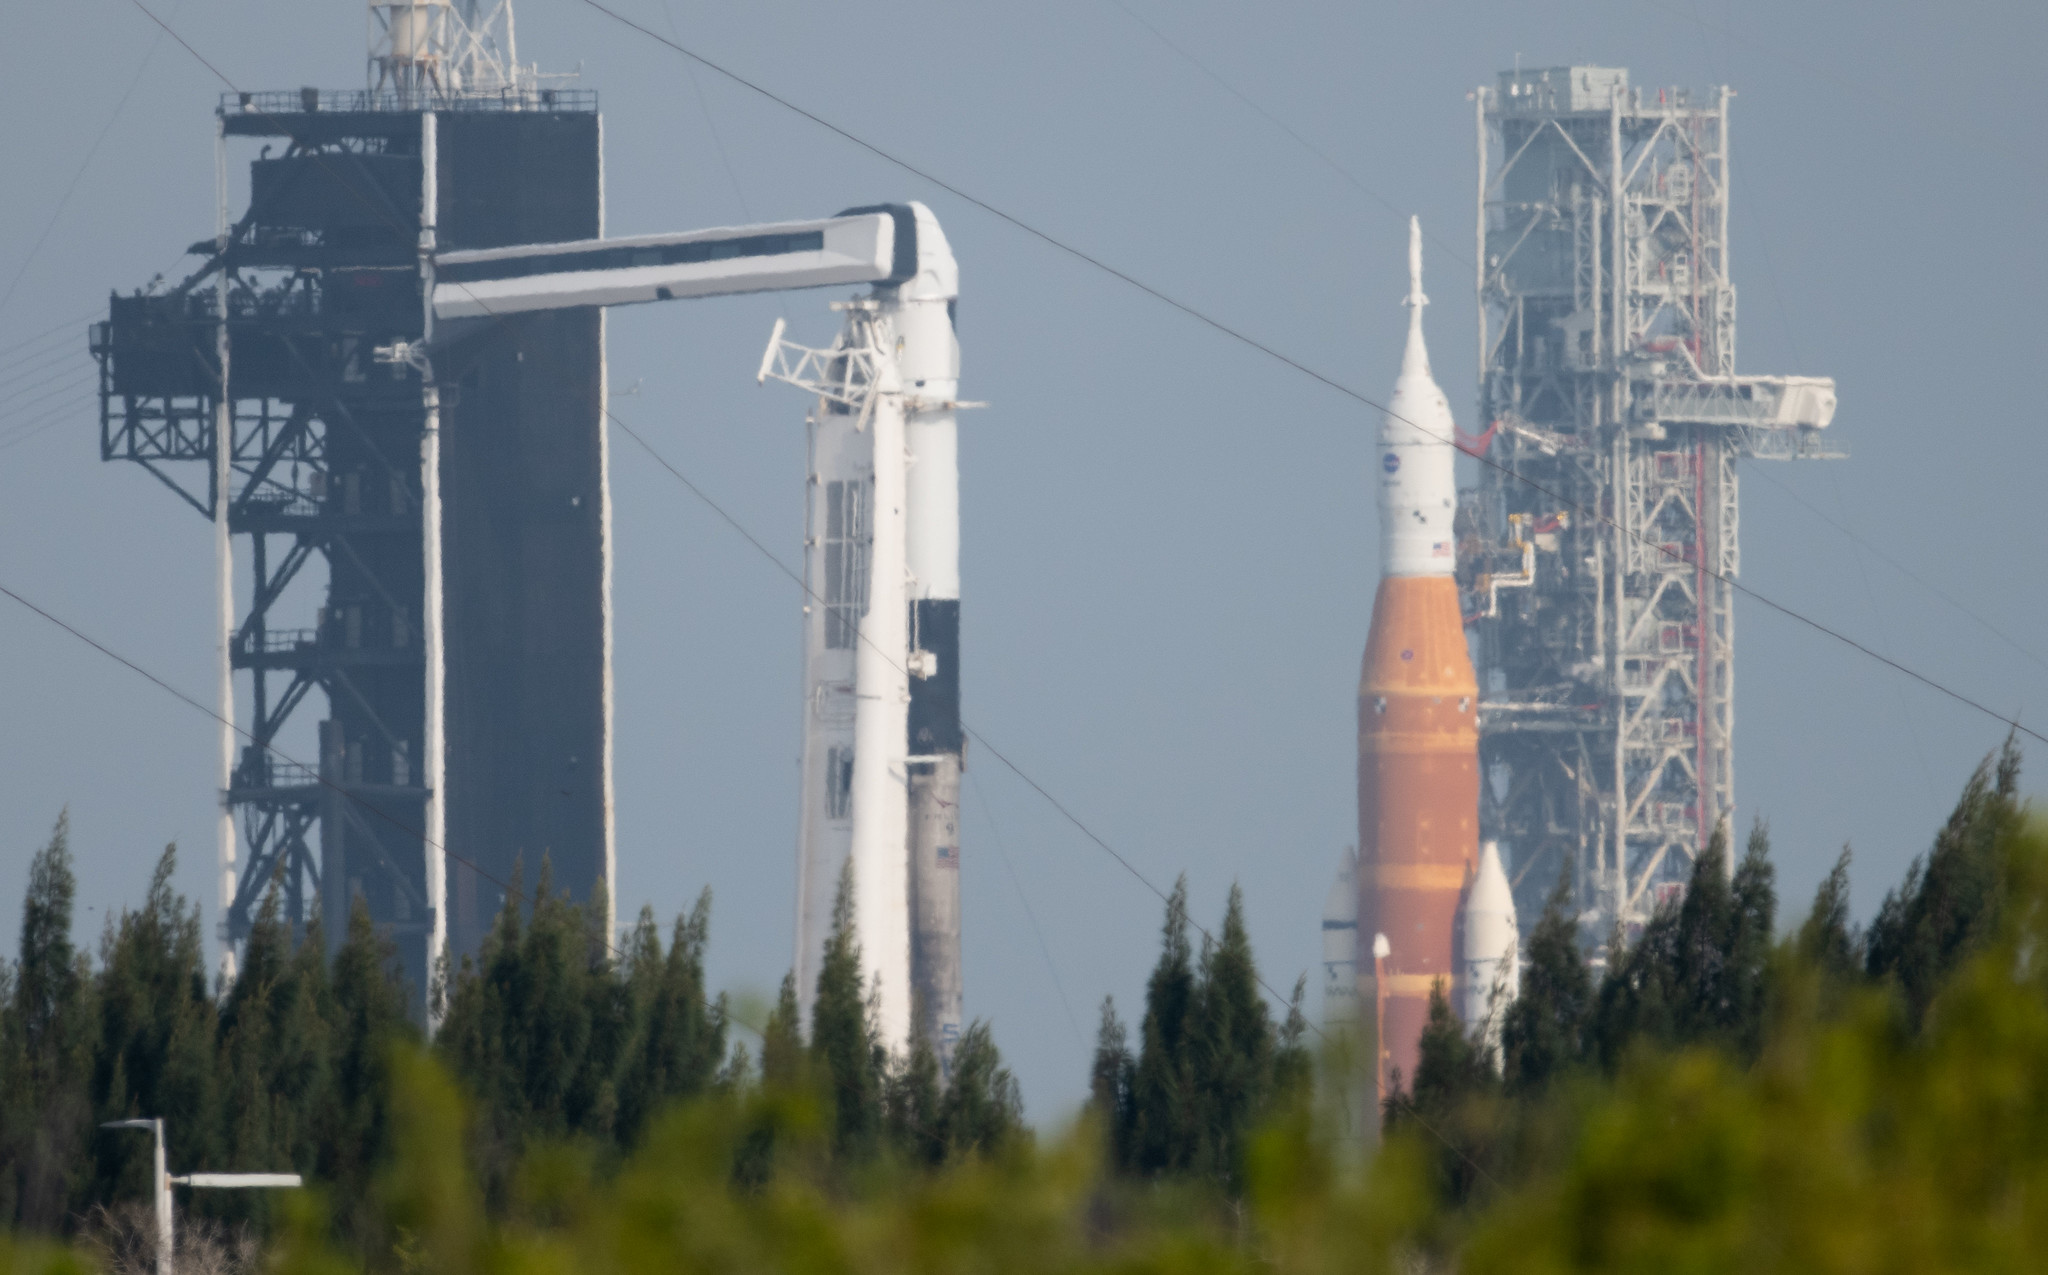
1451 741
1399 985
1416 876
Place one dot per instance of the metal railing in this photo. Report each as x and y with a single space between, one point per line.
279 641
366 101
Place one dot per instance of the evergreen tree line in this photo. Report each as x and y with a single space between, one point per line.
1707 973
556 1037
1210 1067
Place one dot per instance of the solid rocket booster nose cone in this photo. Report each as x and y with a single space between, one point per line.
1488 973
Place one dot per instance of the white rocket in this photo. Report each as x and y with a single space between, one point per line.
882 745
929 361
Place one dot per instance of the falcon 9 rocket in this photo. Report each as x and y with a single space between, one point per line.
1418 733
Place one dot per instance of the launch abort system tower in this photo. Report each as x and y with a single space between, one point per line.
1598 551
458 505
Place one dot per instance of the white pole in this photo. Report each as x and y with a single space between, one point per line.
432 763
881 827
223 549
160 1188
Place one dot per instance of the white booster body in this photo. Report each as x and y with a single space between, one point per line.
1418 453
1340 945
881 753
928 358
839 491
1489 965
881 716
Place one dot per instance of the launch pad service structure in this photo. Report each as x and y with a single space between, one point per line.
460 510
1598 551
394 361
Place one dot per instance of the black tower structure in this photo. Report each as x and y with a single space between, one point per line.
334 380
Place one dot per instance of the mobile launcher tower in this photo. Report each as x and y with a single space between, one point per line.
1598 551
463 643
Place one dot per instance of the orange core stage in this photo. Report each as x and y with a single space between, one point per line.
1418 806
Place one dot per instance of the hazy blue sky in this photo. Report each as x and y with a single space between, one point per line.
1168 539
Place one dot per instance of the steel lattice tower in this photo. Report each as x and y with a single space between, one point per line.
1598 550
449 485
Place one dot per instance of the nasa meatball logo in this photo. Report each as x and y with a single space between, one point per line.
1391 463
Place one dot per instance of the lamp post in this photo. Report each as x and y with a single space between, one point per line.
1381 950
161 1183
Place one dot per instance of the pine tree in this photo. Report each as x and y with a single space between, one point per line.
910 1101
1110 1086
983 1110
273 1056
154 1052
1826 940
45 1110
365 1008
1543 1033
680 1035
1166 1128
1700 972
1951 902
1454 1076
782 1042
1232 1053
1736 1012
843 1042
540 1029
1293 1063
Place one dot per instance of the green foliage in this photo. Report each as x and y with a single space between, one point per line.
1209 1066
45 1049
982 1110
681 1037
1543 1033
1112 1081
1699 972
1165 1131
1848 1146
1449 1106
274 1059
1826 941
847 1054
156 1026
1715 1102
366 1018
1951 902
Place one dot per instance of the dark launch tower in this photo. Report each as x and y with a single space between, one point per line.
314 300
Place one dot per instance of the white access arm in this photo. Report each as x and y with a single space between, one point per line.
866 246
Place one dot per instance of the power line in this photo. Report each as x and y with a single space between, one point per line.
64 200
988 811
22 431
42 340
66 368
1457 253
1254 343
1898 566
